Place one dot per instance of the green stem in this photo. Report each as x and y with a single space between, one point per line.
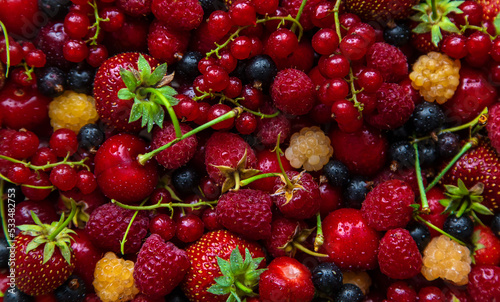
249 180
56 232
423 196
306 250
98 20
464 149
243 288
143 158
129 226
299 13
6 36
432 226
3 214
354 98
282 169
337 20
170 110
320 238
169 205
434 10
72 164
26 185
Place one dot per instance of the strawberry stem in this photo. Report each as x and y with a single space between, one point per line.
6 36
143 158
3 214
432 226
423 196
243 288
299 13
63 225
170 110
434 15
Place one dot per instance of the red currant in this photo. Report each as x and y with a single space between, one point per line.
189 228
18 173
186 108
227 61
243 13
63 142
217 110
63 177
253 98
38 179
334 66
347 116
454 45
163 225
241 47
216 78
86 181
281 43
246 123
75 50
36 58
219 23
76 24
332 90
115 16
97 55
43 156
322 14
325 41
370 79
234 88
24 144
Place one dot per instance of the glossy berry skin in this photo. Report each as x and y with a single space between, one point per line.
427 117
281 43
349 241
398 255
261 69
44 209
486 246
189 228
325 41
73 289
454 46
163 225
86 255
36 179
242 13
63 177
435 217
420 233
431 294
483 283
187 67
185 180
349 293
336 173
267 162
327 278
495 225
90 137
398 35
459 227
400 291
119 174
63 142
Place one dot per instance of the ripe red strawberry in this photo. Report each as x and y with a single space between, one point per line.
398 255
43 257
486 246
286 279
491 9
493 126
388 205
107 225
381 10
480 164
119 174
204 255
227 158
293 92
484 283
160 267
246 212
299 199
178 154
349 241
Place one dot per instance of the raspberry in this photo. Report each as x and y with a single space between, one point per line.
360 279
178 154
107 225
269 128
446 259
493 126
165 43
114 280
436 76
310 148
387 206
178 14
393 108
398 255
484 284
293 92
389 60
72 110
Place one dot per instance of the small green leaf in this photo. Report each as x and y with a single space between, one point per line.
422 28
256 263
125 94
462 187
32 245
145 115
481 209
172 101
48 251
496 23
35 218
65 252
225 266
436 35
236 261
135 112
216 289
233 297
224 281
462 209
448 26
420 8
157 74
32 228
159 116
144 68
445 202
128 79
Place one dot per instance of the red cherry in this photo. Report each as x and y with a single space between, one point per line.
86 256
331 198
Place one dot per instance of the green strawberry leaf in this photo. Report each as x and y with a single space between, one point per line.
32 245
144 69
436 35
233 297
48 251
125 94
447 25
128 78
481 209
496 23
236 261
65 251
216 289
225 266
462 209
30 228
422 28
224 281
157 74
136 111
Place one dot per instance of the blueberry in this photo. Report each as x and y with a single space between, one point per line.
327 278
420 233
403 153
90 137
261 69
349 293
397 35
54 9
80 80
187 67
336 173
186 179
355 192
459 227
51 81
73 289
427 117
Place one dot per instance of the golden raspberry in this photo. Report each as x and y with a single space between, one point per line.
114 280
446 259
360 279
310 148
436 76
72 110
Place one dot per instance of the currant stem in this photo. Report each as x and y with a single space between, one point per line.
169 205
249 180
6 36
61 227
26 185
320 238
432 226
357 104
72 164
98 20
2 214
307 251
471 143
299 13
337 20
143 158
423 196
170 110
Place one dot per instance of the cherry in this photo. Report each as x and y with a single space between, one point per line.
365 31
86 181
86 256
39 179
495 49
64 142
18 173
334 66
242 13
472 13
160 195
246 123
76 24
19 16
332 90
189 228
50 40
478 44
281 43
43 209
63 177
217 110
219 23
325 41
331 198
163 225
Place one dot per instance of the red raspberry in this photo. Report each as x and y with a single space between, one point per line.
407 175
493 126
246 212
387 206
107 225
178 14
394 107
484 283
283 231
269 128
160 267
166 44
178 154
389 60
293 92
398 255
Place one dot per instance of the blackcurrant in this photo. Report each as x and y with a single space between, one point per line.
186 179
355 192
398 34
4 253
90 137
427 117
209 6
495 225
327 278
403 153
15 295
51 81
261 70
459 227
80 80
187 67
73 289
427 152
349 293
420 233
54 9
448 144
336 173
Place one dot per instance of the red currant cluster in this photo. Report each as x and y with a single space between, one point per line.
18 52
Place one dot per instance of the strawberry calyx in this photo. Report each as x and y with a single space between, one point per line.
239 277
81 216
150 91
51 236
462 200
234 175
432 17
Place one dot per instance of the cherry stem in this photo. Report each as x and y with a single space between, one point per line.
62 226
278 155
249 180
143 158
299 13
432 226
423 196
6 36
170 110
320 238
337 20
124 240
26 185
72 164
471 143
98 20
3 214
307 251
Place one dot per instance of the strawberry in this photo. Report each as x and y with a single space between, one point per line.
423 42
349 241
286 279
208 257
486 246
491 8
381 10
43 256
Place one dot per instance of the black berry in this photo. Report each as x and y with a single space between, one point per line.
4 253
336 173
187 67
54 9
427 152
459 227
349 293
73 289
261 70
398 34
186 179
90 137
355 192
80 80
448 144
420 233
15 295
427 117
403 153
327 278
495 225
51 81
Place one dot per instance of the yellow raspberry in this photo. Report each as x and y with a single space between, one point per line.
436 76
446 259
310 148
114 280
72 110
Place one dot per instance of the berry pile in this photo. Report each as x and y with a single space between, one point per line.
249 150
